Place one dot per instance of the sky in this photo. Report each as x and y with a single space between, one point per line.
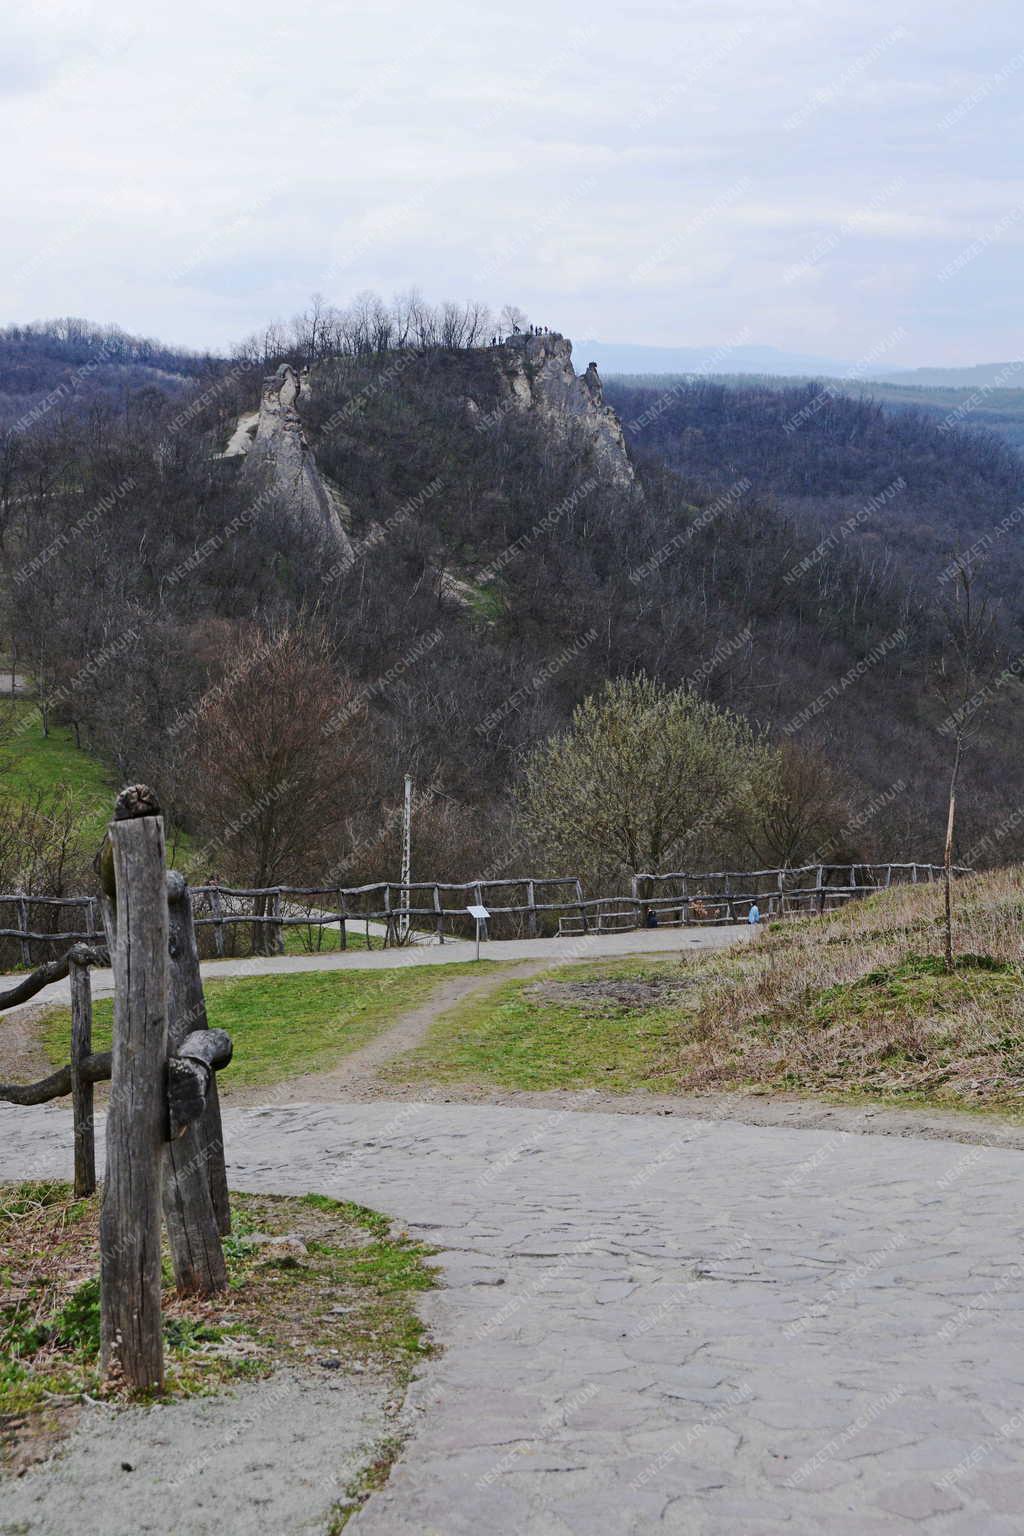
841 179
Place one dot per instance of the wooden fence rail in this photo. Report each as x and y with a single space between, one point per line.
437 907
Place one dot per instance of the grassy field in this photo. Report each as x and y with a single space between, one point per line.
308 940
287 1025
606 1025
34 763
853 1004
345 1288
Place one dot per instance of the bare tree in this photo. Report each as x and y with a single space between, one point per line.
804 806
512 318
964 684
276 752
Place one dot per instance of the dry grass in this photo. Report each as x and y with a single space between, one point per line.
858 1002
313 1282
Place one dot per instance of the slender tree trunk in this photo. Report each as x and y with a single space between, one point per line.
947 868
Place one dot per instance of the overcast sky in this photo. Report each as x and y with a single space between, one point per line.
840 177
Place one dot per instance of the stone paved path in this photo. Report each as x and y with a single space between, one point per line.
673 1325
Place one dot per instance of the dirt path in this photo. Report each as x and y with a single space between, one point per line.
357 1075
22 1058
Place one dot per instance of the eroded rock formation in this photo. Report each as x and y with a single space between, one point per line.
279 460
542 377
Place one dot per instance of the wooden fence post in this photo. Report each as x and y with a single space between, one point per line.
217 910
195 1160
275 945
578 886
439 910
24 946
820 888
81 1089
342 931
130 1331
531 902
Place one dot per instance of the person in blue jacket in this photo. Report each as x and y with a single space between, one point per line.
754 915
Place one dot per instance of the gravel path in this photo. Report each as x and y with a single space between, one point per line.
657 1324
273 1458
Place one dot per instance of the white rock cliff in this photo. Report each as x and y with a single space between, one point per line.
542 378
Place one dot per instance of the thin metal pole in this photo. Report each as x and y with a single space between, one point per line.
478 938
403 921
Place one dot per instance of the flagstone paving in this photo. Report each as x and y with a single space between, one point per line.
658 1324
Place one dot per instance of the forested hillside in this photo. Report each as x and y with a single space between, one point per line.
497 575
824 456
66 365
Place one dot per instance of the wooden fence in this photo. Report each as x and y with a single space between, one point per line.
165 1150
232 920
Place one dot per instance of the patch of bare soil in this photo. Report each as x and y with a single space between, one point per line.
607 995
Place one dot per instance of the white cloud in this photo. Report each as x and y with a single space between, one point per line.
194 170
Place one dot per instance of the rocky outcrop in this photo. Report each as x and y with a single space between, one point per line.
279 460
542 377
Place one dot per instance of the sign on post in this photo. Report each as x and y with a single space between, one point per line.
481 915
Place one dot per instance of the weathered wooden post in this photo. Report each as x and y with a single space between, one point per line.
342 931
531 916
217 910
439 914
130 1333
194 1183
275 945
578 888
81 1087
24 946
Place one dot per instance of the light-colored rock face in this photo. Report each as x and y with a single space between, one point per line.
281 461
542 377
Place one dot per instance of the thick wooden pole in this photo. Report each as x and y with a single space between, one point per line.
81 1088
193 1229
130 1332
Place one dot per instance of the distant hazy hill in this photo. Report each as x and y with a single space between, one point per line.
982 375
622 357
614 357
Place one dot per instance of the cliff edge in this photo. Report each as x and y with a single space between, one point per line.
542 377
